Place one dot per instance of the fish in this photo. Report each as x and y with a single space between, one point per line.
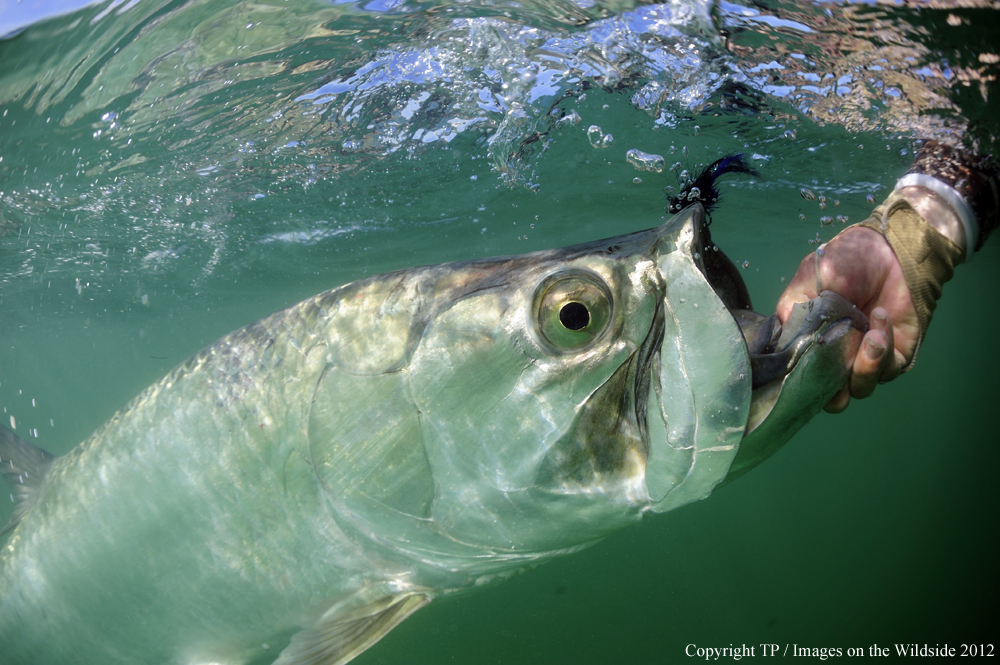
297 489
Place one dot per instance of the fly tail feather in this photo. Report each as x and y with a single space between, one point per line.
703 190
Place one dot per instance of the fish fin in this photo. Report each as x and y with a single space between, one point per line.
340 636
23 466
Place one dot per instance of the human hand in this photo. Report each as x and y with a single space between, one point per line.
860 265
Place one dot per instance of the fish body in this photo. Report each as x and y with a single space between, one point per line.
294 491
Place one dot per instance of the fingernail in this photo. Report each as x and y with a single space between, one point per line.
874 350
879 315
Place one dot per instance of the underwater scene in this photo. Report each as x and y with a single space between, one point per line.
171 171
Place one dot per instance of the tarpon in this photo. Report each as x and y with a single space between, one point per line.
295 490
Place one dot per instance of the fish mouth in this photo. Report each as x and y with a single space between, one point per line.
722 367
774 348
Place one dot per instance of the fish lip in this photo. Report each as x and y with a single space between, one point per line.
817 322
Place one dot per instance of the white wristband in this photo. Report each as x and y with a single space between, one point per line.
955 200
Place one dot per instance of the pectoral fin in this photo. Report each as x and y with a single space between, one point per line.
342 633
23 466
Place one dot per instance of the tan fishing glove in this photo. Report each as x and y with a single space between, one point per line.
937 216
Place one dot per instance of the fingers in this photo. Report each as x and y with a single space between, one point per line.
877 361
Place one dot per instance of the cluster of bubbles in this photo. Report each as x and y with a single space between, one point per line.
824 220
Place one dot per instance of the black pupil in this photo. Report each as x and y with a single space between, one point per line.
574 316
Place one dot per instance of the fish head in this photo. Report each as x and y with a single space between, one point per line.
574 389
560 411
531 404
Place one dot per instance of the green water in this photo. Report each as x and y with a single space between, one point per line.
130 241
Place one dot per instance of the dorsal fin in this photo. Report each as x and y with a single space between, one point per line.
342 633
23 466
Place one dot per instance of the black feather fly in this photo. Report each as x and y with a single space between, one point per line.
702 189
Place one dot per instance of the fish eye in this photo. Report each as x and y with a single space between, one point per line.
572 310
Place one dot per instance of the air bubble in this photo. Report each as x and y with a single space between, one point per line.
644 161
594 135
597 138
571 118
